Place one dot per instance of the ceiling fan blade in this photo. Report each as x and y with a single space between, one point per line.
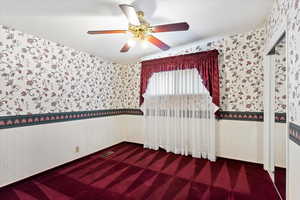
107 32
130 13
125 48
160 44
170 27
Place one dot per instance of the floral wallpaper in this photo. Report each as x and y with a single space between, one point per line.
243 89
294 61
288 11
241 71
131 85
276 19
280 77
39 76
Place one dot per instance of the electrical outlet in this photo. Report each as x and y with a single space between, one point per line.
77 149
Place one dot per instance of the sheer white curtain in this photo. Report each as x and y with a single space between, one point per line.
179 114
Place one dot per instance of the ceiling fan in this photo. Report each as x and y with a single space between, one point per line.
142 30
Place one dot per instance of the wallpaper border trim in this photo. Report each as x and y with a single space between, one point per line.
37 119
249 116
243 116
294 133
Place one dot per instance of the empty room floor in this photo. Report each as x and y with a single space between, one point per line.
128 171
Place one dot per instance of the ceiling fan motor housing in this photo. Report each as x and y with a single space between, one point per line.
141 31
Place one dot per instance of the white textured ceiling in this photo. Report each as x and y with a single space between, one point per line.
67 21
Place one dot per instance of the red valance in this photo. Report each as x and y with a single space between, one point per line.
206 64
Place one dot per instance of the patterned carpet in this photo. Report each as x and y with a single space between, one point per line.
132 172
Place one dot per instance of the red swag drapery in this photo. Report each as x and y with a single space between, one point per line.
206 64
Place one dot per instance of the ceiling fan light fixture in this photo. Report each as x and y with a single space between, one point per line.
139 30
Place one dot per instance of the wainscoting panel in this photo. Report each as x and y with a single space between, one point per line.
29 150
34 143
235 139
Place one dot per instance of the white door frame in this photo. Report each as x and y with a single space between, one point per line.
269 105
269 114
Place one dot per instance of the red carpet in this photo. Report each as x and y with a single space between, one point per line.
132 172
280 180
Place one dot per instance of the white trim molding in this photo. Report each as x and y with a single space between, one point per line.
269 119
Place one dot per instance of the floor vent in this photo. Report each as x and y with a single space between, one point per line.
106 154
